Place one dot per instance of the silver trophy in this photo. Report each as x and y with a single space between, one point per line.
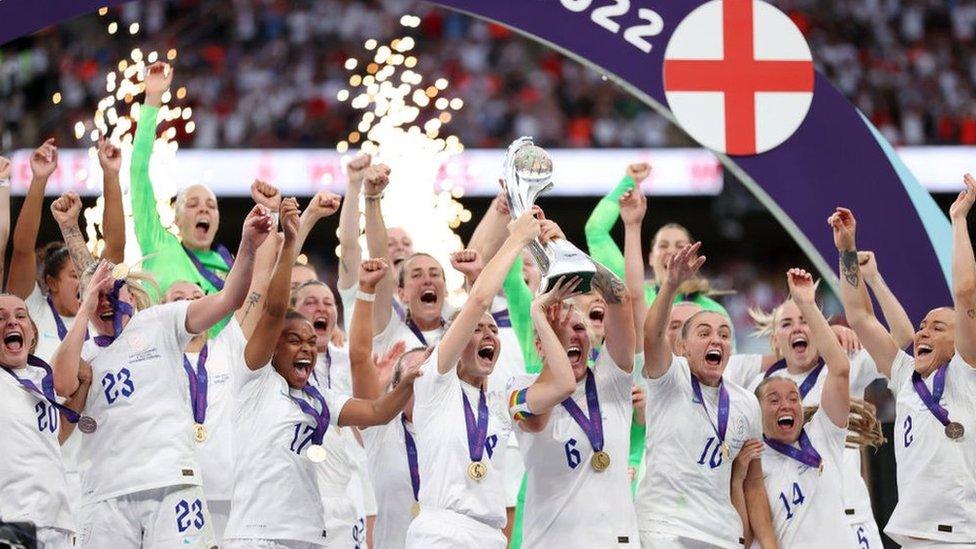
528 173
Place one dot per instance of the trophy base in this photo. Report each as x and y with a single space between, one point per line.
586 278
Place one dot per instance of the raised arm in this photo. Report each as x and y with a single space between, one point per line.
376 178
854 294
264 262
556 382
365 381
77 401
757 505
964 273
836 399
899 325
113 216
598 239
366 413
523 231
203 313
23 261
150 232
67 358
5 171
350 252
261 344
492 230
681 266
322 205
65 211
633 207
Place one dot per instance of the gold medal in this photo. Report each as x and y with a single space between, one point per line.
726 451
477 470
955 430
120 271
600 461
415 509
315 453
199 432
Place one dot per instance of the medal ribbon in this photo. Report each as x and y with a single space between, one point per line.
321 418
723 406
198 385
62 329
592 426
932 399
476 431
411 458
808 382
502 318
805 454
207 273
417 331
47 387
119 309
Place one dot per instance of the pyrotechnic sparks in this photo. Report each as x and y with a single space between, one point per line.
401 124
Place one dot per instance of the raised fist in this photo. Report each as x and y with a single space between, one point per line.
371 272
44 160
266 195
468 263
109 156
323 205
66 208
639 171
357 168
376 178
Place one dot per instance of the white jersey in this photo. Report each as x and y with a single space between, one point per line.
332 370
936 475
686 477
215 454
397 330
276 493
386 453
563 486
32 478
442 443
139 399
509 365
746 370
808 506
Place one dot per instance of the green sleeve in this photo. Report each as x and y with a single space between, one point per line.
601 245
710 304
150 233
519 298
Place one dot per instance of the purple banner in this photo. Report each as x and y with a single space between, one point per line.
834 158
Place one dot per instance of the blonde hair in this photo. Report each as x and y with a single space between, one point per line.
863 428
136 281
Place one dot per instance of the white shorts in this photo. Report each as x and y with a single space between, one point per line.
440 529
658 540
162 518
514 469
54 538
219 513
909 543
866 535
268 544
342 524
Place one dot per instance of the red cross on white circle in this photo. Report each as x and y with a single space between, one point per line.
738 76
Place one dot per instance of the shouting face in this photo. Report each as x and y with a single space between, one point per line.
935 340
19 334
791 336
422 291
295 353
706 341
782 409
482 351
197 217
316 303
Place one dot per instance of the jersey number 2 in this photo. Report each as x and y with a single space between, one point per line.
184 518
908 431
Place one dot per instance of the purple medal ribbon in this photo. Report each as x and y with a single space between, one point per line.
592 426
119 308
328 369
503 319
805 454
321 418
411 458
198 385
47 387
398 309
477 432
62 329
417 331
808 382
723 406
206 273
932 399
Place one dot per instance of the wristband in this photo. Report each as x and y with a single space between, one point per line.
275 221
367 297
4 183
377 196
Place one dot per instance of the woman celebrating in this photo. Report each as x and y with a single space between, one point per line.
142 487
935 392
459 425
32 476
576 450
283 419
803 464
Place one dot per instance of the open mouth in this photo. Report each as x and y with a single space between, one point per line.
487 352
799 344
107 316
320 324
713 357
785 422
13 341
923 350
574 354
428 296
597 314
303 365
202 225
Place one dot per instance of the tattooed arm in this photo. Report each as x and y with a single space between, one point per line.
249 313
964 273
854 295
65 211
619 321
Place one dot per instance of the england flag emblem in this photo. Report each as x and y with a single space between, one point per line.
738 76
